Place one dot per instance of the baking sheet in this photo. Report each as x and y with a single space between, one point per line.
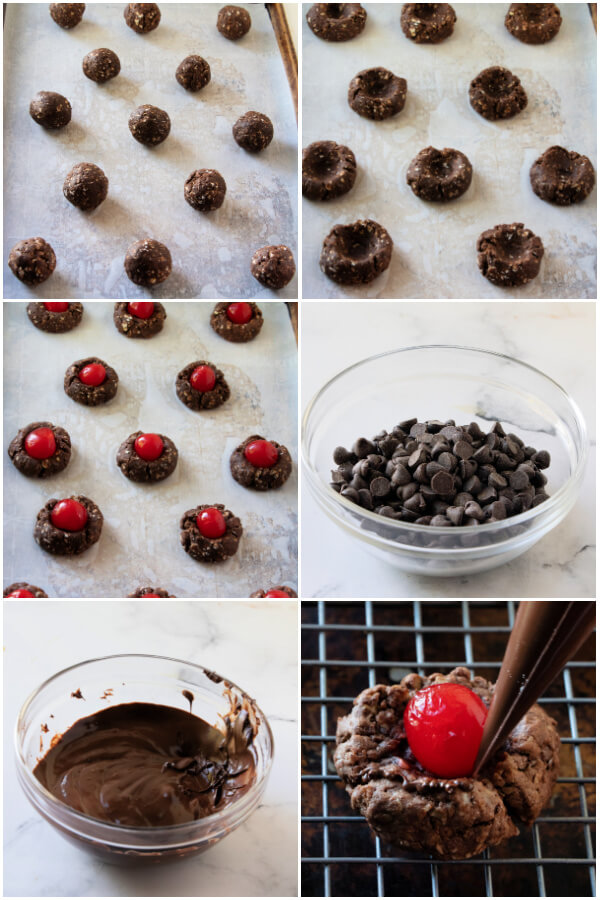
140 545
434 244
211 252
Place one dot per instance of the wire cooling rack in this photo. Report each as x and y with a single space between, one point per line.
348 646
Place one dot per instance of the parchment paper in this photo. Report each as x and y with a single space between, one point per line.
434 243
140 545
211 252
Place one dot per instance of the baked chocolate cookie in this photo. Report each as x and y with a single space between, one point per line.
147 457
281 590
55 317
139 319
23 589
336 21
509 255
32 261
427 23
205 190
68 527
142 17
356 253
91 381
233 22
40 449
497 94
86 186
562 176
328 170
210 533
51 110
101 65
533 23
237 322
193 73
151 592
148 262
201 386
149 125
439 174
260 464
253 131
390 788
377 93
67 15
273 266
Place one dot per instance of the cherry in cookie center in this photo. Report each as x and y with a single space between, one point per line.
239 313
56 306
203 379
149 446
40 443
21 593
211 523
141 309
94 374
69 515
261 453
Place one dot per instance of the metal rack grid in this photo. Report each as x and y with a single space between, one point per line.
328 872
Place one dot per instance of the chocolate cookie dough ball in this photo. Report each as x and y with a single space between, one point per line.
69 526
32 261
148 262
50 110
67 15
377 93
533 23
427 23
497 94
336 21
260 464
101 65
237 322
253 131
356 253
142 17
328 170
205 190
233 22
439 174
562 176
193 73
149 125
86 186
509 255
210 533
273 266
151 592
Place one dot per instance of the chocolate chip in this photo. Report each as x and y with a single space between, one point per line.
416 503
440 521
442 482
447 460
474 510
401 476
418 457
380 487
497 481
541 459
518 480
341 455
463 449
455 514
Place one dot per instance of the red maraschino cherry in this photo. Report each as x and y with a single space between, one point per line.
262 454
203 379
69 515
150 595
211 523
274 593
22 592
55 307
239 313
149 447
142 309
40 443
93 374
444 724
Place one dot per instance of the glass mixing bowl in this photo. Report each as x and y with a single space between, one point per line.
444 382
51 710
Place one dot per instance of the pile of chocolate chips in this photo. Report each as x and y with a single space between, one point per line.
439 473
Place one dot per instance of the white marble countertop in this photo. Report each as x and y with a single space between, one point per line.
557 338
255 644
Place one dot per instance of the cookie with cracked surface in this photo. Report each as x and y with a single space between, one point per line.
439 175
101 65
23 589
395 794
148 262
202 386
55 317
149 125
427 23
356 253
205 190
151 592
210 533
497 94
377 93
509 255
67 15
280 590
142 319
562 176
237 322
533 23
147 457
86 186
328 170
50 110
68 527
40 449
336 22
273 266
233 22
142 17
253 131
32 261
91 381
193 73
260 464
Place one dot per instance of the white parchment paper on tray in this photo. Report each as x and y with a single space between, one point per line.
435 244
140 545
211 252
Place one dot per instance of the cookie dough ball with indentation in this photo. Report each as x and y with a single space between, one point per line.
427 23
356 253
509 255
49 109
233 22
149 125
32 261
86 186
562 176
142 17
377 93
253 131
273 266
533 23
328 170
439 174
205 190
101 65
497 94
67 15
336 21
148 262
193 73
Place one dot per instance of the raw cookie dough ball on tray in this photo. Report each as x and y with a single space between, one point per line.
439 174
91 381
497 94
273 266
32 261
68 527
562 176
210 533
427 23
509 255
86 186
377 93
205 190
260 464
146 457
533 23
253 131
201 385
356 253
142 17
149 125
148 262
193 73
55 316
336 22
328 170
67 15
233 22
139 319
40 449
238 322
50 110
101 65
